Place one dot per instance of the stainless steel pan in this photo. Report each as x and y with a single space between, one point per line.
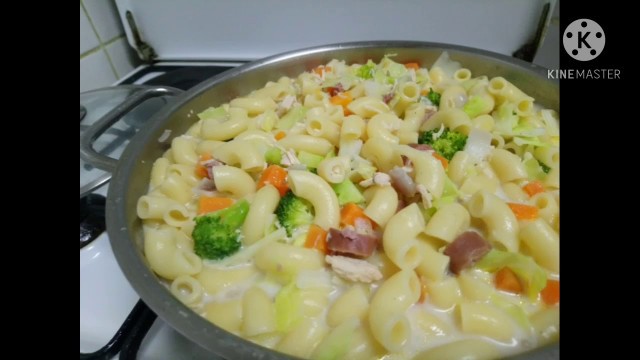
131 174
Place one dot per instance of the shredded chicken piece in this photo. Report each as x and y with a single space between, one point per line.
379 178
285 104
366 182
402 182
426 196
289 158
382 179
431 108
288 101
353 269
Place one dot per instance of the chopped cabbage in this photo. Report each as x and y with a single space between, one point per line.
478 145
336 345
447 65
213 113
294 115
288 307
530 274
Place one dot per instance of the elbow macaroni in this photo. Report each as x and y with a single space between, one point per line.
356 123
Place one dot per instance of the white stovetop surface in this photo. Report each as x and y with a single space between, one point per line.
106 298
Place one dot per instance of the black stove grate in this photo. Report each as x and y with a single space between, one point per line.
181 77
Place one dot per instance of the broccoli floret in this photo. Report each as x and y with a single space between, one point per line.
434 97
216 234
447 144
293 211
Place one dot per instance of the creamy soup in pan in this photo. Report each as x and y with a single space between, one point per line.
382 210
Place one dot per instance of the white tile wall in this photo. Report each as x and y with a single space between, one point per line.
105 55
122 57
95 72
104 15
88 38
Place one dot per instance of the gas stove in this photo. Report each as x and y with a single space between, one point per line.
114 322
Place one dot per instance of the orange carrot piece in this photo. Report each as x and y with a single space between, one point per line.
424 294
551 293
342 99
424 92
524 212
209 204
443 160
322 69
412 65
350 212
533 187
280 135
201 170
507 280
316 239
276 176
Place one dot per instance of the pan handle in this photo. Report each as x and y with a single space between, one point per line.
88 153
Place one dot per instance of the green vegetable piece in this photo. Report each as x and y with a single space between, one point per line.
310 160
545 168
288 303
213 113
336 345
216 235
366 71
447 144
273 156
449 195
347 192
293 212
530 274
395 70
475 106
268 120
434 97
534 169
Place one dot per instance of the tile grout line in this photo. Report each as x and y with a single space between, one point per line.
102 46
95 49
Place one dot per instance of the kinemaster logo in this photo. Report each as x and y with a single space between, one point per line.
584 40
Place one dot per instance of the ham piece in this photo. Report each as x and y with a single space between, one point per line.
465 250
421 147
350 243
